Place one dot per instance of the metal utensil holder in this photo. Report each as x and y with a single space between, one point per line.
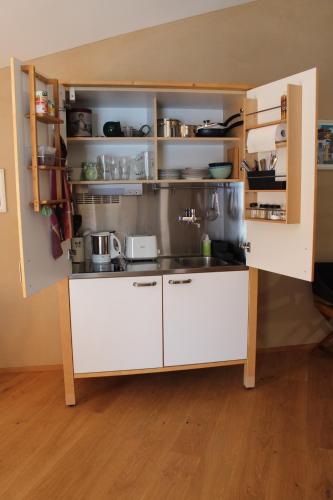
266 180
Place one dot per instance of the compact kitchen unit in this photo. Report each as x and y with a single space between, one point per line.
162 337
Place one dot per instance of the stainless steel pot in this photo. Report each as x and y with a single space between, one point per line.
188 130
168 127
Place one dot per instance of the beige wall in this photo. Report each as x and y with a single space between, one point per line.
254 43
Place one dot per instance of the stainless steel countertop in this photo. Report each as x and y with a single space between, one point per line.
163 265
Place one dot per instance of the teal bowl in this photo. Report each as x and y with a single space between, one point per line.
222 171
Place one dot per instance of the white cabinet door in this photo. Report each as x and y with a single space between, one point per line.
116 323
289 248
38 267
205 317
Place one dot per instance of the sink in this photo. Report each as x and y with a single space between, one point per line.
194 262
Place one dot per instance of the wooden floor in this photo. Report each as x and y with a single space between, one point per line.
191 435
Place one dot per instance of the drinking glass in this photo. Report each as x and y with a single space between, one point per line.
115 170
124 167
145 165
137 168
104 167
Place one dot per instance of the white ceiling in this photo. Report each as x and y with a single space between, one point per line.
33 28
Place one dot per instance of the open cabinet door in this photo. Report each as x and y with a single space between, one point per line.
37 265
288 248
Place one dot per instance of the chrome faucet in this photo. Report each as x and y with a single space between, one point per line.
189 217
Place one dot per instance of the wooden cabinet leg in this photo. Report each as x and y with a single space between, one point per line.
250 364
66 341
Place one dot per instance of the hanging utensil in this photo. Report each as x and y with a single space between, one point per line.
273 161
245 166
216 203
232 204
213 212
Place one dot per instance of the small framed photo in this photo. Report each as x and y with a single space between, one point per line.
325 145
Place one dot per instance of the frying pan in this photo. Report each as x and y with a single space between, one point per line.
209 129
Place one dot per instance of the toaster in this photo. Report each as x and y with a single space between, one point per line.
141 247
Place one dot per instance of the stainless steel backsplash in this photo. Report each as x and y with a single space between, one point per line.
156 212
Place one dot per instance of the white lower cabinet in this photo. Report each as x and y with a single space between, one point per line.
127 323
116 323
205 317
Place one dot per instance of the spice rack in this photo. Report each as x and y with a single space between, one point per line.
290 170
47 119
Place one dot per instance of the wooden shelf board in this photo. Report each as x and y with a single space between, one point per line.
50 202
152 84
265 220
158 181
265 190
48 119
48 167
266 124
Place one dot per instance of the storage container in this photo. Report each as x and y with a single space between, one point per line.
79 122
265 179
46 155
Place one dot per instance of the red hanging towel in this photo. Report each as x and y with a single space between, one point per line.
66 216
62 217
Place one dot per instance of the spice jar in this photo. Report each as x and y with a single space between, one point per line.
262 211
276 212
51 107
269 210
41 102
283 107
254 210
283 212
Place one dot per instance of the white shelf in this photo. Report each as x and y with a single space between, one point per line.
158 181
139 140
196 140
109 140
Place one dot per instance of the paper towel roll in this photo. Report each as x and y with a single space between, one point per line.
264 138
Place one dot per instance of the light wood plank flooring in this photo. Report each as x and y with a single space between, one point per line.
190 435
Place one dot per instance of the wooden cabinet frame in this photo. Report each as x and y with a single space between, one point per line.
47 120
294 200
67 349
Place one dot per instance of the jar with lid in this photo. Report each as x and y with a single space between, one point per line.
41 102
276 212
262 211
89 171
269 210
254 210
283 212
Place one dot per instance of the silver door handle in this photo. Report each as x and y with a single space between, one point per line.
151 283
180 282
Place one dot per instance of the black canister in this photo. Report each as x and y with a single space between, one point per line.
112 129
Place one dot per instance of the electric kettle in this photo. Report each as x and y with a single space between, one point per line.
105 247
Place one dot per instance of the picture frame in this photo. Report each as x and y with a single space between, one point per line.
325 145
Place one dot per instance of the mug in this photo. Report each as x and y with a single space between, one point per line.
112 129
